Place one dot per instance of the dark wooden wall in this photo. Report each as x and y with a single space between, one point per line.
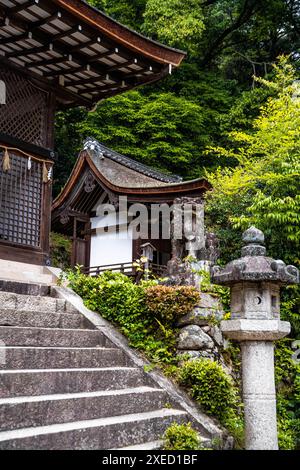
27 119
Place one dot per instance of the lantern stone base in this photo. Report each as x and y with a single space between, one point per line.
259 396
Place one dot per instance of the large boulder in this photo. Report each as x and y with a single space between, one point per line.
192 337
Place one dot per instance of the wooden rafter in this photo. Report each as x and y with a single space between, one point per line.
76 64
39 49
29 29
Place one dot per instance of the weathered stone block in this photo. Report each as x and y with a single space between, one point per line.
193 338
200 316
206 329
209 301
193 355
216 334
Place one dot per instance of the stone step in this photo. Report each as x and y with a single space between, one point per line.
32 382
14 357
26 288
103 433
23 412
153 445
19 336
42 319
30 303
205 443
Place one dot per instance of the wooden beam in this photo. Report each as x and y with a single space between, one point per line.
28 29
12 11
31 148
119 82
105 72
154 78
83 45
63 50
101 89
46 62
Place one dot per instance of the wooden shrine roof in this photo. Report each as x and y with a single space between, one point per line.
78 51
101 169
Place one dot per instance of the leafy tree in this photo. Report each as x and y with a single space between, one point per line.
264 190
67 145
164 130
227 41
176 22
264 187
128 12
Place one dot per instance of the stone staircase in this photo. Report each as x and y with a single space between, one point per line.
65 385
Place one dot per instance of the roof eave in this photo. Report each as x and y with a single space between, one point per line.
123 34
200 184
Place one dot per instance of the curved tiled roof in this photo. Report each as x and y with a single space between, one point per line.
122 175
98 150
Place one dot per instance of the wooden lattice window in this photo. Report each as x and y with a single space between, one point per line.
21 201
24 115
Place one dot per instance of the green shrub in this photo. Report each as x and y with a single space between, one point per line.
210 385
118 299
214 390
181 437
287 377
167 304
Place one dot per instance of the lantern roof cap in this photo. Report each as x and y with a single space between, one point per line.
254 265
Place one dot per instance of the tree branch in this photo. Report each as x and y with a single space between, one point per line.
247 12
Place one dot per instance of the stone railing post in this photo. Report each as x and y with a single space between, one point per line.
255 282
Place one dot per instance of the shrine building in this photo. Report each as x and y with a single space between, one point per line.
54 55
103 178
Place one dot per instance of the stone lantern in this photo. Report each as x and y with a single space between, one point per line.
255 282
147 252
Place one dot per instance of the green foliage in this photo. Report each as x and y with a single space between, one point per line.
60 250
232 357
181 437
119 300
175 22
267 179
222 292
245 110
161 130
210 385
227 41
263 190
168 304
67 145
287 376
215 391
128 12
